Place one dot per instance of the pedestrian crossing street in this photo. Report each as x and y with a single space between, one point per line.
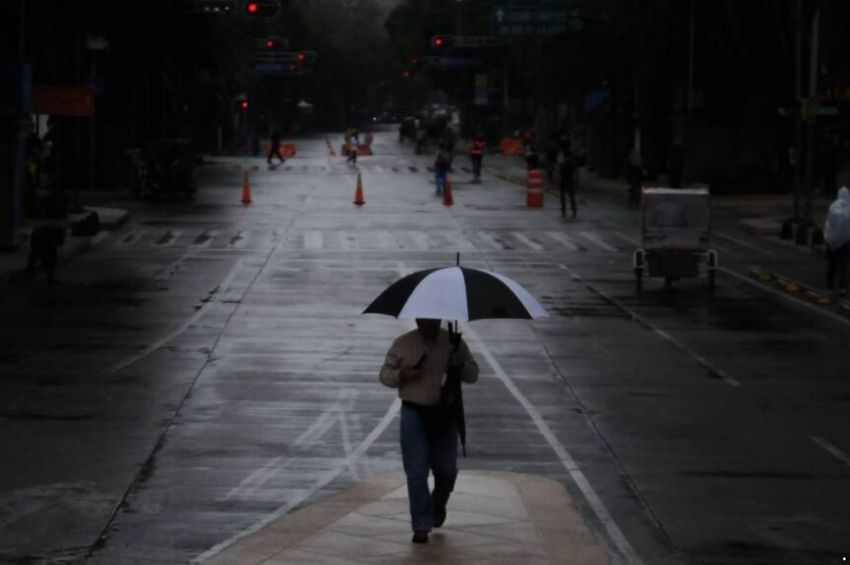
551 241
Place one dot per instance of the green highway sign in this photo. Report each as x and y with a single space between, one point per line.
528 18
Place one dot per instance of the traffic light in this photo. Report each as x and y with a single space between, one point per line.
303 57
406 74
275 43
244 104
441 41
261 8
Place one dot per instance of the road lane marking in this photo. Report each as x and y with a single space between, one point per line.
564 240
317 429
219 291
627 239
168 239
239 240
489 240
205 238
324 480
595 239
746 244
831 449
528 241
720 373
313 240
579 478
131 238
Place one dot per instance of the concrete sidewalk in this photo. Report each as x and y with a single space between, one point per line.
493 518
13 264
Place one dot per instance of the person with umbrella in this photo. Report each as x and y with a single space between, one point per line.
428 364
419 363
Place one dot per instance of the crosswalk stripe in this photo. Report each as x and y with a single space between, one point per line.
168 238
313 240
131 238
491 241
239 241
563 239
595 239
527 241
205 238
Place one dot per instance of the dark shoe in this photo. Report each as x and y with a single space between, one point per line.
420 536
439 517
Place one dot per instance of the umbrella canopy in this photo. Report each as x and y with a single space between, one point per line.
456 293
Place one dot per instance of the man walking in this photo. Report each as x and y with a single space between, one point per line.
569 178
441 167
416 365
476 153
274 148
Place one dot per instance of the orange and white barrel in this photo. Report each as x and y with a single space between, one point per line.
535 188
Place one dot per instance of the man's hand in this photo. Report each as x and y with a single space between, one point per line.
407 374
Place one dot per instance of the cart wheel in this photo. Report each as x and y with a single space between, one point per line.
638 278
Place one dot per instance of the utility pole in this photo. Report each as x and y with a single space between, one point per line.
813 112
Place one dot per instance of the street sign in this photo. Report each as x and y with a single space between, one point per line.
529 18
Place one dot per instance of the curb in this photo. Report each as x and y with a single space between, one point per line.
795 287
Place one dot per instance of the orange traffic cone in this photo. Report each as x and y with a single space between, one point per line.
246 190
447 194
358 194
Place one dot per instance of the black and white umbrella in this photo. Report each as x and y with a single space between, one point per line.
456 293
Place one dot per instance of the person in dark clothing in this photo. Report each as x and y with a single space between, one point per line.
476 153
568 170
45 242
274 148
634 177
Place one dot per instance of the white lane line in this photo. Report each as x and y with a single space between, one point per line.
659 332
563 239
605 518
346 445
239 240
131 237
168 239
220 291
627 239
527 241
595 239
205 239
420 239
324 480
313 240
316 430
743 243
786 296
490 241
831 449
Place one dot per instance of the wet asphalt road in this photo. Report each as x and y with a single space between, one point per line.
207 368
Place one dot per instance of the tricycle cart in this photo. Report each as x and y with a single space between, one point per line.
676 233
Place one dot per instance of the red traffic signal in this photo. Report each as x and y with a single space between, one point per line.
303 57
438 41
406 74
262 8
244 105
275 42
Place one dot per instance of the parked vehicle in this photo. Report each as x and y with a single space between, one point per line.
676 233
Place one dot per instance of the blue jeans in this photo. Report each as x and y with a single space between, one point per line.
422 449
440 177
